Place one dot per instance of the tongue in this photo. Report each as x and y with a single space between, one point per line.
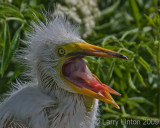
93 83
78 73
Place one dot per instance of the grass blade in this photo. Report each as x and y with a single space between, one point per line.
139 107
110 71
109 10
131 84
140 100
139 76
6 48
135 11
144 64
13 47
10 10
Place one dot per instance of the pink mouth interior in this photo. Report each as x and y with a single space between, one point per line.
78 73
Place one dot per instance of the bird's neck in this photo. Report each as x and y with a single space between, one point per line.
49 86
82 109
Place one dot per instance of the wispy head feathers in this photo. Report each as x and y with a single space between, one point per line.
43 38
56 28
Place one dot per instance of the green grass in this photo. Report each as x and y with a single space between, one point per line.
128 27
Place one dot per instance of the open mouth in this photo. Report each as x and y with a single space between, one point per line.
77 72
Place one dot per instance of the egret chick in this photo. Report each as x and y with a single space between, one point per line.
62 92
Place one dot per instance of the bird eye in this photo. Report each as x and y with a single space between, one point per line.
61 51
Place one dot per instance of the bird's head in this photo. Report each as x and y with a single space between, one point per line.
73 70
55 50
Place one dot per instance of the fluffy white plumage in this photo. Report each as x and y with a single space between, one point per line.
46 102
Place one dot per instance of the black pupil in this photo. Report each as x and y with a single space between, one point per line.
61 51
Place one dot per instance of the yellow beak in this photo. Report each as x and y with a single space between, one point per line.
85 49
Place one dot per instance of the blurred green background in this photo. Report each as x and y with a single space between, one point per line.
130 27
